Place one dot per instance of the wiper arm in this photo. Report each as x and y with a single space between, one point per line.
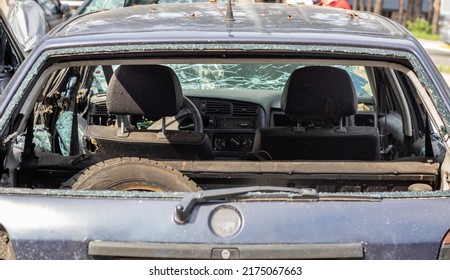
184 209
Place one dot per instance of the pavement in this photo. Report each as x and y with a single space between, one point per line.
440 54
435 46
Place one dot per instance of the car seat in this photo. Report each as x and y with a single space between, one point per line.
318 98
145 90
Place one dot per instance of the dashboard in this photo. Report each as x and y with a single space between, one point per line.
230 125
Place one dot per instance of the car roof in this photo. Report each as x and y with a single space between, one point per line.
251 20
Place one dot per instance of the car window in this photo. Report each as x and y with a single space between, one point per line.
240 76
50 7
236 102
98 5
10 55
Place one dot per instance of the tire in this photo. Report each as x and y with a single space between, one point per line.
131 174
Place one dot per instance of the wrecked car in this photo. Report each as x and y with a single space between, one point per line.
55 12
219 131
22 25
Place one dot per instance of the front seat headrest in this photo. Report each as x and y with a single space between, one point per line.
319 92
144 90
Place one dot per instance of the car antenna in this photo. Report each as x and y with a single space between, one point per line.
229 15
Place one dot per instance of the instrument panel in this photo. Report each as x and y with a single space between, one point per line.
230 125
233 142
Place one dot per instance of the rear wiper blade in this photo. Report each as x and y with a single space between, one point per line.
184 208
373 197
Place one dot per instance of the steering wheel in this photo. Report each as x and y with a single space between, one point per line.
189 110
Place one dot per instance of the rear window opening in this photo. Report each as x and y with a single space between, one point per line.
334 126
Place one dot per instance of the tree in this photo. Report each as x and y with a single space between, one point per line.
430 11
378 7
361 5
369 6
410 9
401 11
418 9
436 14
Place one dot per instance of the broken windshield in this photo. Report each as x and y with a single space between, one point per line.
240 76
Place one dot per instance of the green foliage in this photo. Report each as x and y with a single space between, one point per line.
443 68
427 36
419 26
421 29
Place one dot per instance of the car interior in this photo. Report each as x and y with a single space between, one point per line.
331 125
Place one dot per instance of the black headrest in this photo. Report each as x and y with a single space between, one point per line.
144 90
319 92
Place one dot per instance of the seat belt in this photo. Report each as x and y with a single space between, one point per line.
74 137
29 160
428 146
108 72
4 41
